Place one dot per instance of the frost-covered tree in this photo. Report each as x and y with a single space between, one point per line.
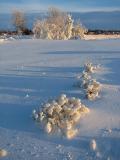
19 21
78 31
40 30
58 25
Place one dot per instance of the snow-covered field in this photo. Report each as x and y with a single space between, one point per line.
33 71
101 37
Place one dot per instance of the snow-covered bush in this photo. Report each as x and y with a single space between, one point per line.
54 28
85 79
90 85
90 68
58 25
93 89
61 115
40 29
78 31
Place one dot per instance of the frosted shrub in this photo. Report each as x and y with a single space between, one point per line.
57 26
61 115
78 31
40 30
85 79
93 90
90 68
90 85
54 28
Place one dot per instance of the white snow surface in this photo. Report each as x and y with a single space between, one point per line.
34 71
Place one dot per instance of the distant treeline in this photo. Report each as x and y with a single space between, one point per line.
106 32
8 32
90 32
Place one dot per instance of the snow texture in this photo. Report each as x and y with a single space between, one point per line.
33 71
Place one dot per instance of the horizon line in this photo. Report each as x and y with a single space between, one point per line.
45 11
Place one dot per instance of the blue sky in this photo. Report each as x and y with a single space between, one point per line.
69 5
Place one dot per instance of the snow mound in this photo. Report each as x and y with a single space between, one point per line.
61 115
2 40
3 153
93 145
